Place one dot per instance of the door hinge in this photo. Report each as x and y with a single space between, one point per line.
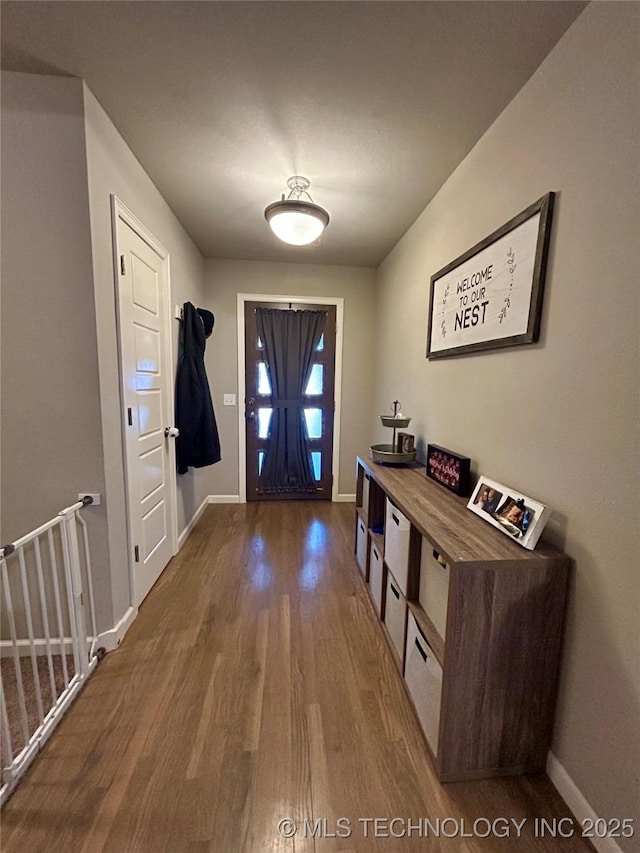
130 416
123 269
136 553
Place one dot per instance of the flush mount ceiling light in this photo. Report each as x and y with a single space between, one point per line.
295 220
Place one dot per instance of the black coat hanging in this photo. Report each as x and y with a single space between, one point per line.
198 444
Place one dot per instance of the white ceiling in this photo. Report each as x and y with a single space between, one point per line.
375 102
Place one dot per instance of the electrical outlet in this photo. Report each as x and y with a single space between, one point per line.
97 499
229 399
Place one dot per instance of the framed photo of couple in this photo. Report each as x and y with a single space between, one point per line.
514 514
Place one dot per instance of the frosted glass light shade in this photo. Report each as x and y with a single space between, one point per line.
296 222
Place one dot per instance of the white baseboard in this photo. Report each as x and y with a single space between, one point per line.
108 640
185 533
210 499
111 639
235 499
577 802
39 647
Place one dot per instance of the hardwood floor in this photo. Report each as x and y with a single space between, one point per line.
256 685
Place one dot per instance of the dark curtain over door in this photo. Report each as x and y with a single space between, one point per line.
289 339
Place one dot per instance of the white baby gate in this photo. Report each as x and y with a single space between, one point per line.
47 600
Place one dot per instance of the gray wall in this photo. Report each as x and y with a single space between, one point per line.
51 434
356 285
61 432
112 168
557 420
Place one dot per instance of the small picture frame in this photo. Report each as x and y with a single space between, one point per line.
405 442
517 516
449 469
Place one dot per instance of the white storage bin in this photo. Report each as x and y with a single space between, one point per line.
361 545
434 587
397 529
375 575
423 676
366 481
395 614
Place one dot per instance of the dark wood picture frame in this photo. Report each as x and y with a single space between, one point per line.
448 469
447 300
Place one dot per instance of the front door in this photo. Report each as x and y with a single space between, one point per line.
319 412
147 394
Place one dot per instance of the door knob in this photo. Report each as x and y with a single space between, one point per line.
171 432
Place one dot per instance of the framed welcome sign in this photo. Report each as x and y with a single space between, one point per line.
491 296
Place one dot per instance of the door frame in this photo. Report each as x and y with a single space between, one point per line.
119 211
338 301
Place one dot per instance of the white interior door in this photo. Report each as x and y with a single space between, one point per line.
147 394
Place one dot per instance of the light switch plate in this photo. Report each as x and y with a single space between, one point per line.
229 399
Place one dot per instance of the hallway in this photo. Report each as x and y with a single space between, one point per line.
255 685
